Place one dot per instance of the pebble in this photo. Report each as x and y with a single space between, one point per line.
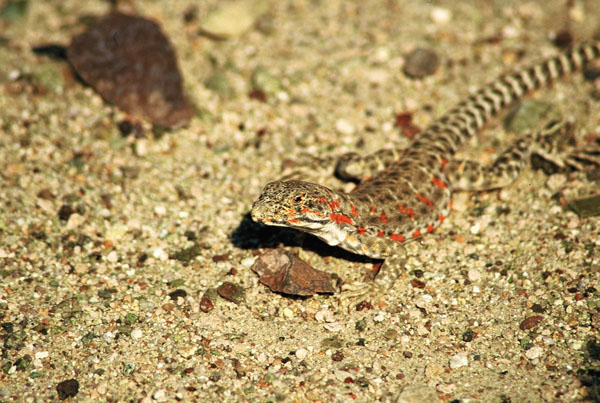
233 18
344 127
136 334
534 352
288 313
459 360
160 210
421 63
474 275
160 254
301 353
75 220
41 355
556 181
418 394
441 15
159 395
112 257
3 254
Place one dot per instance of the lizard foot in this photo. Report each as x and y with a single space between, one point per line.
353 294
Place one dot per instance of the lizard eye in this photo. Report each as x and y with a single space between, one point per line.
297 199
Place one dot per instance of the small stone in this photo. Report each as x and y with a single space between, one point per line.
433 371
301 353
344 127
231 292
65 212
474 275
441 15
160 210
459 360
112 257
556 181
421 63
75 220
68 388
530 322
160 254
136 334
233 18
288 313
418 394
534 352
159 395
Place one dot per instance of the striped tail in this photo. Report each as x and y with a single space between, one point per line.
446 134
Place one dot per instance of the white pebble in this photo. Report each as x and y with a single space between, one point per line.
475 229
160 210
301 353
380 317
324 315
160 254
112 257
459 360
288 313
474 275
40 355
3 253
440 15
344 127
534 352
334 327
136 334
159 395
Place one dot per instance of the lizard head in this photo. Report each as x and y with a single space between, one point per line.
295 204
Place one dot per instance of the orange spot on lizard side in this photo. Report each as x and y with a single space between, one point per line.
416 234
380 233
397 237
383 218
406 210
425 200
293 221
354 211
438 182
430 228
372 209
361 230
441 218
340 218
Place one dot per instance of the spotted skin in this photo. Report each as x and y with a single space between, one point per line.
404 194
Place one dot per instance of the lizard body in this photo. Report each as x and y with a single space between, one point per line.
405 194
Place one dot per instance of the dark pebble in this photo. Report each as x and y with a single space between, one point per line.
337 356
15 340
177 293
131 63
364 306
8 327
65 212
537 308
468 336
188 254
530 322
220 258
231 292
563 39
407 354
418 273
421 63
417 283
68 388
23 363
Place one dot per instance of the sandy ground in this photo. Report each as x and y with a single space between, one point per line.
96 297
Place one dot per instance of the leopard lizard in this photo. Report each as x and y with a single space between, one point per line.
404 194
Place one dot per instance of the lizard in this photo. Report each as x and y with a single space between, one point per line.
404 194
